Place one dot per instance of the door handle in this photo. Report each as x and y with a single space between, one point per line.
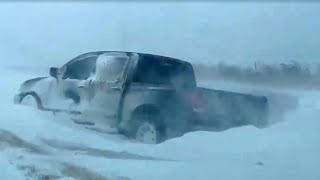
115 87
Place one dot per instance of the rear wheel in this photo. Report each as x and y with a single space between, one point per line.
149 129
147 133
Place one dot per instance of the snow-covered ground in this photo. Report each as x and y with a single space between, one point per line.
40 145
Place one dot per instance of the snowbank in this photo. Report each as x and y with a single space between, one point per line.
286 150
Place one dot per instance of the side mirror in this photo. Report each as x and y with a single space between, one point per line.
53 72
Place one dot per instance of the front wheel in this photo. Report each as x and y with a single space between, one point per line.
30 99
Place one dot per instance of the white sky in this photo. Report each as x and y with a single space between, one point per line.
52 33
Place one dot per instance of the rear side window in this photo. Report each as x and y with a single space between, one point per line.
153 70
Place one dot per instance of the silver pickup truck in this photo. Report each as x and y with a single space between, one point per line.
146 97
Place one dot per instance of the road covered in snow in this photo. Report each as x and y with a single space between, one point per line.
41 145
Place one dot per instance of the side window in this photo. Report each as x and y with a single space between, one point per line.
80 69
164 72
151 70
109 67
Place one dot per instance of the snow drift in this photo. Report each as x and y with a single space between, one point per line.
37 144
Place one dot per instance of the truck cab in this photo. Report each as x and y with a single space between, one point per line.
146 97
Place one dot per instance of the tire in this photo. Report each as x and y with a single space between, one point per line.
148 129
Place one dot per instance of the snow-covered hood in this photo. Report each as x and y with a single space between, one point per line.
27 85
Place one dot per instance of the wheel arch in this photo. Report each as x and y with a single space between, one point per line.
35 96
146 108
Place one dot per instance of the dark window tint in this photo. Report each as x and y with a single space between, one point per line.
80 69
153 70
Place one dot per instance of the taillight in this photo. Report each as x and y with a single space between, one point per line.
196 100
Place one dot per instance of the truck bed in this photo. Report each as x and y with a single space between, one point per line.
222 109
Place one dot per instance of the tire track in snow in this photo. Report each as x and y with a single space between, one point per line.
98 152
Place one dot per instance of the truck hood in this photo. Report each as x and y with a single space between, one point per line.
30 83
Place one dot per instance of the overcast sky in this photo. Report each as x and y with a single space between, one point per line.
241 33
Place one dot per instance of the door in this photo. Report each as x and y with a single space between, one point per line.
102 91
67 92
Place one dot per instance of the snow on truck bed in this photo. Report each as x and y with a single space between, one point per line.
35 145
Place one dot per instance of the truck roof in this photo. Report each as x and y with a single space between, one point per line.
97 53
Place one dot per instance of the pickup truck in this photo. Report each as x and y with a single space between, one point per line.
147 97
